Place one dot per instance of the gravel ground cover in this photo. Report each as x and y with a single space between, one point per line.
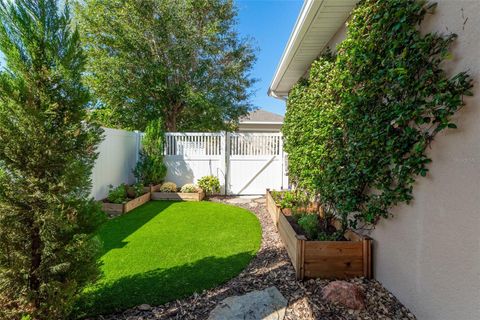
272 267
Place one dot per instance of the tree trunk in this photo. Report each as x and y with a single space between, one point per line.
35 260
171 117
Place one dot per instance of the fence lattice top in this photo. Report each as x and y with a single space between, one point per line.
217 144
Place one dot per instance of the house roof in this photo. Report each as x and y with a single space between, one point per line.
262 116
316 24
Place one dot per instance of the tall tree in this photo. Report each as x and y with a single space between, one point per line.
47 151
177 60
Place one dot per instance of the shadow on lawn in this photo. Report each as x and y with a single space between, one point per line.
113 232
161 285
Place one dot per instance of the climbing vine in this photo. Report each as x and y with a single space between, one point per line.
357 129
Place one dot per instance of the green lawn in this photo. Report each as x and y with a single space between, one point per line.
167 250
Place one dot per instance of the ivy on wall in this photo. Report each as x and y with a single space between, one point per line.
357 129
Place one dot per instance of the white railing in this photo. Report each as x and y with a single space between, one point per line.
193 144
255 144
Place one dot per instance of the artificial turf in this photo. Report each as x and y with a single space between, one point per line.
167 250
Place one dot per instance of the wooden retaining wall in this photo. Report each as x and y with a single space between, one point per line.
323 259
115 209
178 196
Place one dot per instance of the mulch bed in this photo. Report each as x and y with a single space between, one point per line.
272 267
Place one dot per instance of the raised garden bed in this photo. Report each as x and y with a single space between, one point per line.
180 196
323 259
152 188
116 209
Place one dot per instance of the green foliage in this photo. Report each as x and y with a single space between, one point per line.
137 189
309 224
150 169
117 194
47 151
168 187
209 184
358 128
289 199
181 61
189 188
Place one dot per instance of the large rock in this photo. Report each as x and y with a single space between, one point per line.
268 304
345 293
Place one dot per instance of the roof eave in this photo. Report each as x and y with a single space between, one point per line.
318 20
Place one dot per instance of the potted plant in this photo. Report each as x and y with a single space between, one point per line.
318 244
123 198
150 169
169 191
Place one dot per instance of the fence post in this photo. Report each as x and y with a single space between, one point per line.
224 159
138 142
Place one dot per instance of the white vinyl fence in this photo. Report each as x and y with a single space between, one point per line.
245 163
118 155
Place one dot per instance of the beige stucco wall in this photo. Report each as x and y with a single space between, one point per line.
428 255
256 127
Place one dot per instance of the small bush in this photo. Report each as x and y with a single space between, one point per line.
137 189
209 184
289 199
150 169
189 188
168 187
117 194
309 224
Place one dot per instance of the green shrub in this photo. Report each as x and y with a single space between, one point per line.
309 224
48 247
189 188
289 199
117 194
137 189
150 169
209 184
168 187
357 130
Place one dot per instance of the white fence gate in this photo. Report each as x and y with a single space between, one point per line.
245 163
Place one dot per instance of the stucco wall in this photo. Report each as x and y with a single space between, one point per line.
428 255
256 127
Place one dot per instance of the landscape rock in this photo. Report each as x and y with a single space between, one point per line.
345 293
268 304
144 307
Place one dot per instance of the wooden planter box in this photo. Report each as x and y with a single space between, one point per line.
152 188
180 196
323 259
116 209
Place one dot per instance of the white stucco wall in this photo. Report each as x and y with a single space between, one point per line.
428 255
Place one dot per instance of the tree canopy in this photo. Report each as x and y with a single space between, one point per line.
181 61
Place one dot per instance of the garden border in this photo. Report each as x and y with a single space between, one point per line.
115 209
198 196
323 259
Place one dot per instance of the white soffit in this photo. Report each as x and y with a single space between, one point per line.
317 23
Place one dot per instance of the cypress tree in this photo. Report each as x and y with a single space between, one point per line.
47 150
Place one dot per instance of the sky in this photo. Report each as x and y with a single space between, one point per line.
270 23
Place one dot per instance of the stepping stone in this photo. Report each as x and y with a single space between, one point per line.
239 200
268 304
